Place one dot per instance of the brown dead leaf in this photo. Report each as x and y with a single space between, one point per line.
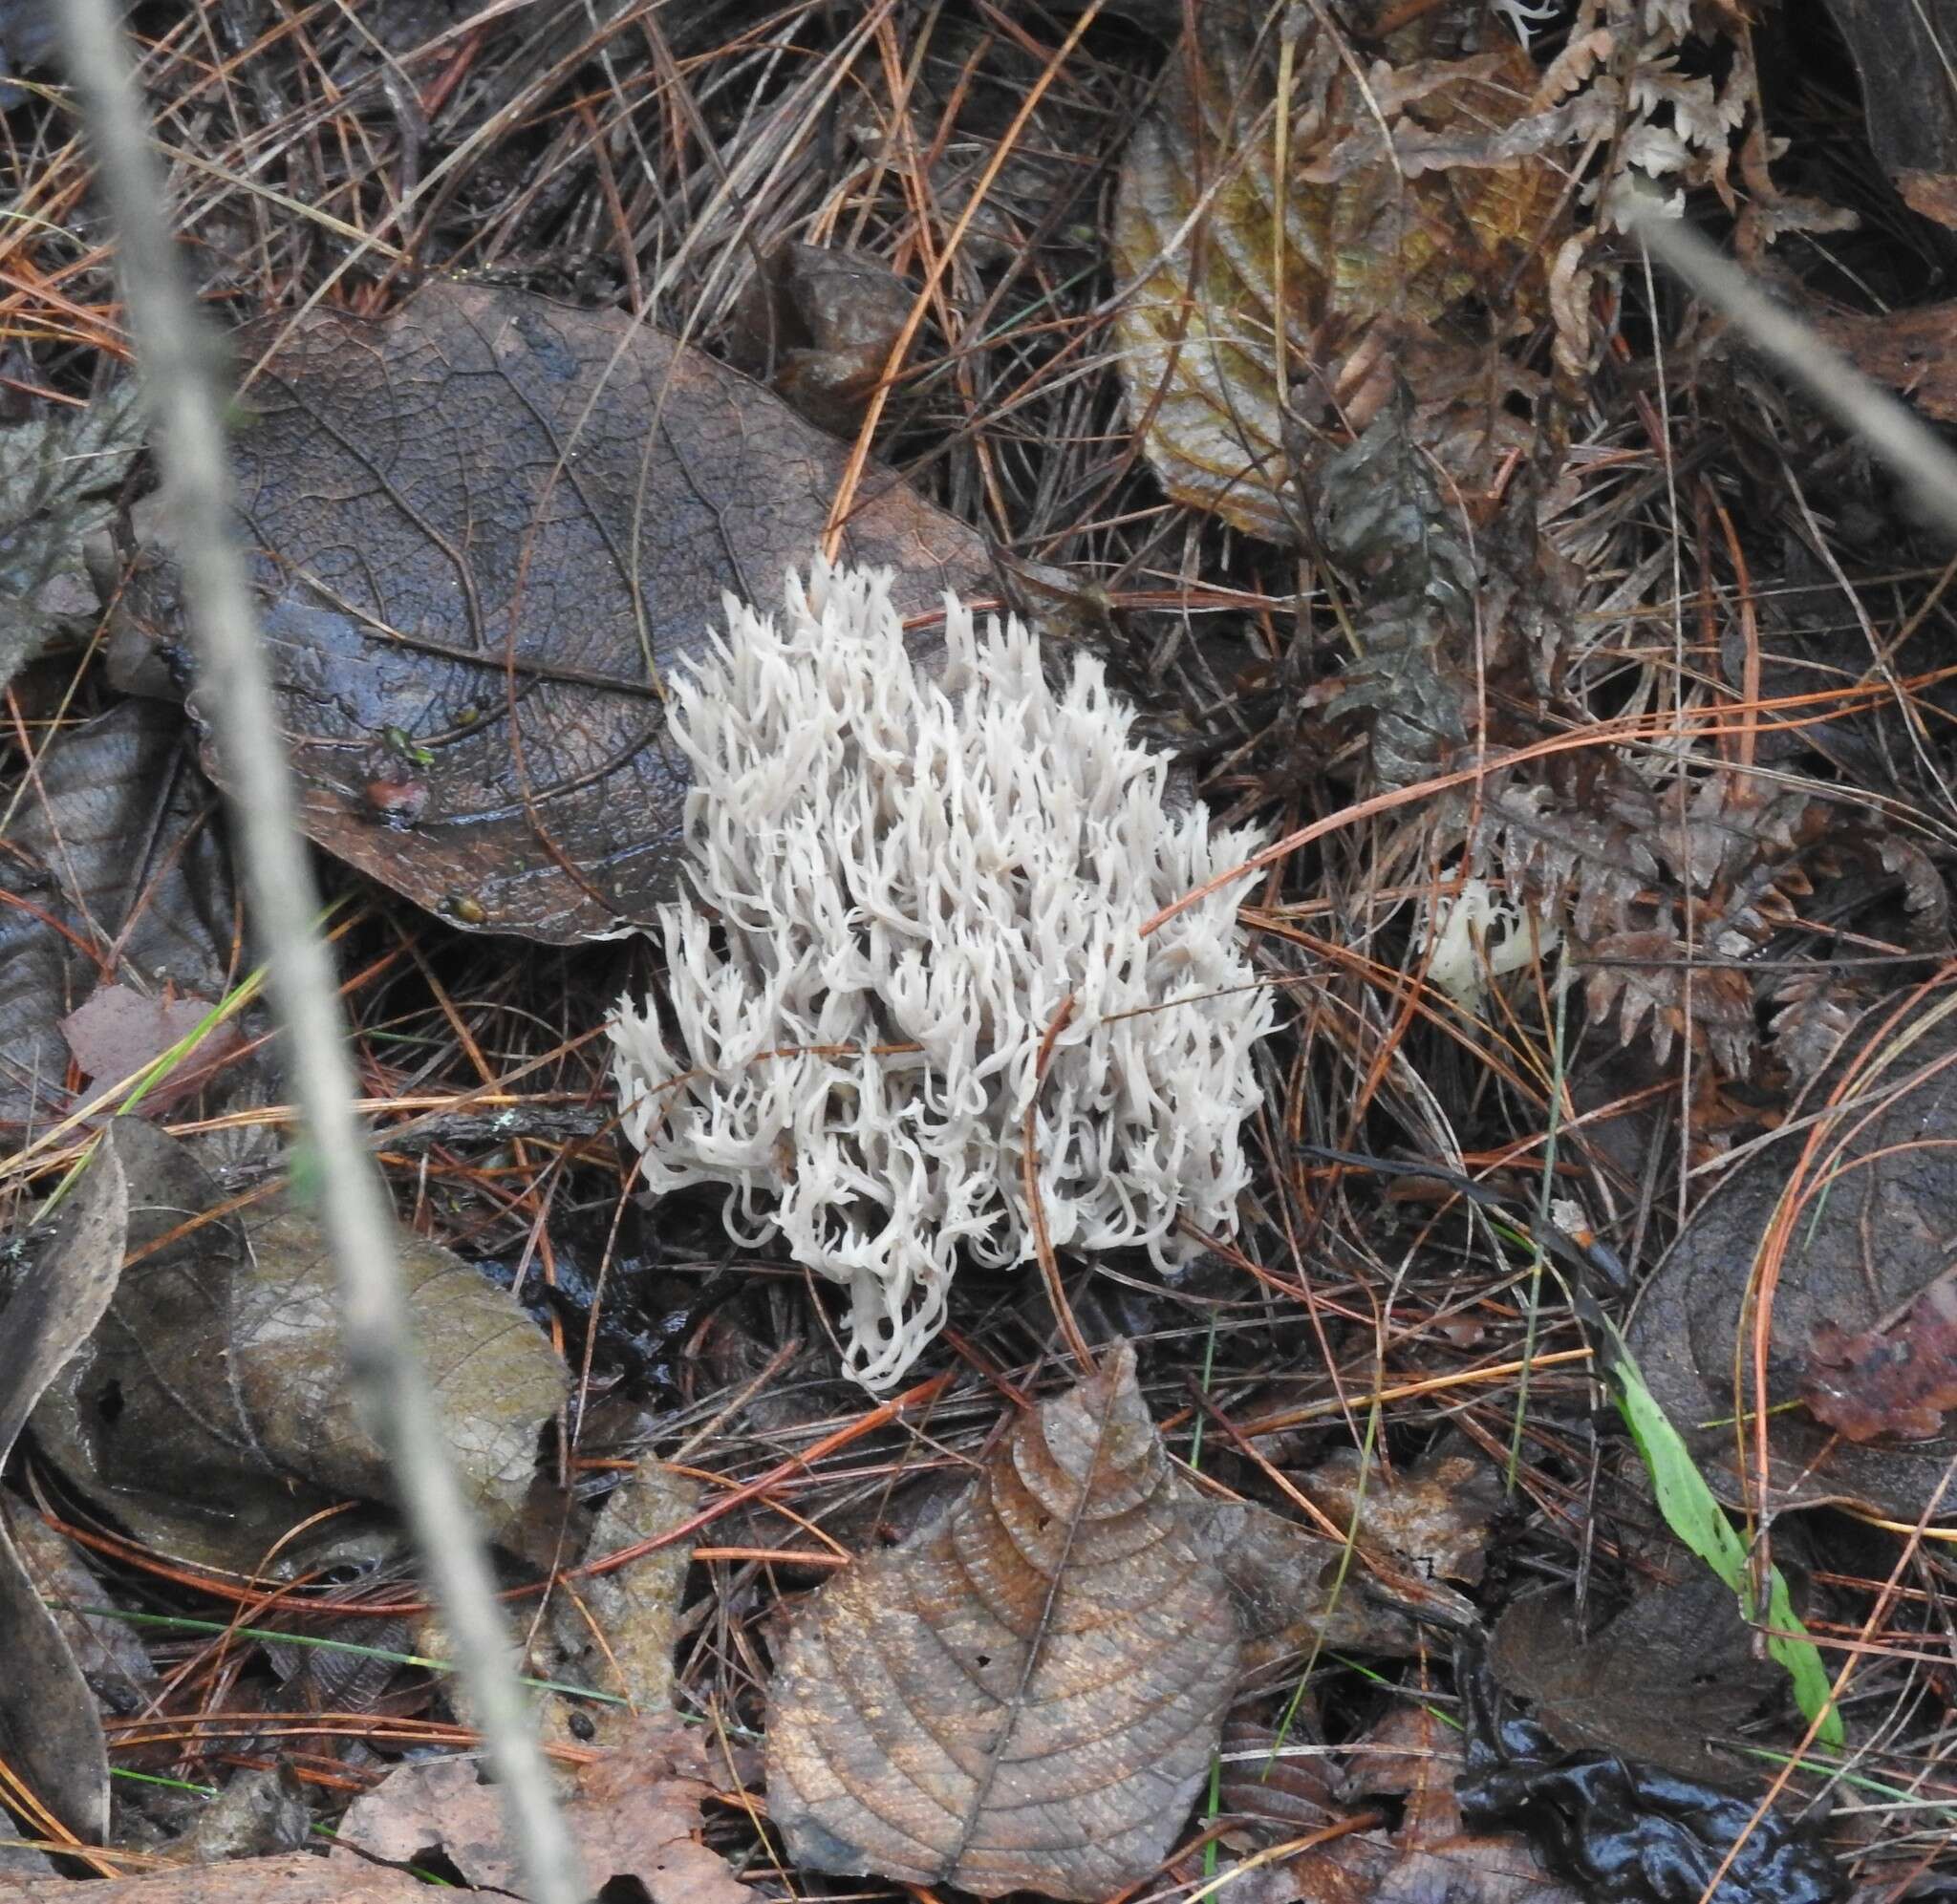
1673 1671
817 326
1432 1858
483 529
1914 350
1873 1234
120 1030
1432 1518
113 868
633 1815
1026 1692
299 1878
1248 358
1897 1379
50 1732
213 1410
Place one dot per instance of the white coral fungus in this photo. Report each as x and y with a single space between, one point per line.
900 878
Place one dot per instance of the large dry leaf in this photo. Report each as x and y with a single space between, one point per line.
213 1411
113 865
483 531
633 1815
1026 1692
50 1732
1249 353
1863 1248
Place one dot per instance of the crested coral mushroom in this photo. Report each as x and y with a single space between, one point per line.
898 878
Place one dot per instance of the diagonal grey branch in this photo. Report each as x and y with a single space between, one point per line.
1890 429
177 357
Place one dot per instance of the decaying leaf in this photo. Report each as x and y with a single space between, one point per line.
1026 1692
484 528
59 473
617 1631
1431 1517
299 1878
50 1733
1916 350
1871 1234
120 1030
1279 294
1432 1858
1897 1379
213 1412
1673 1672
633 1815
817 325
113 868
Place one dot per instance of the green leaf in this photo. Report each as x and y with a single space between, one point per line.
1693 1513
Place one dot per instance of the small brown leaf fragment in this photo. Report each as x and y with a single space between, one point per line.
633 1815
1025 1693
1432 1858
818 325
1913 351
1432 1518
1891 1380
120 1030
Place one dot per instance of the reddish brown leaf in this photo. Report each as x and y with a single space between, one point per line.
1897 1379
1026 1692
484 530
120 1030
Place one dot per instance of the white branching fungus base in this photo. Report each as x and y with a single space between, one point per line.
900 879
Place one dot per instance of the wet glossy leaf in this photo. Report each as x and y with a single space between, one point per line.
59 473
50 1733
213 1414
483 529
633 1816
114 868
1026 1692
1277 298
1871 1234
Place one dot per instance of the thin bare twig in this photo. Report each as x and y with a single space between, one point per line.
175 357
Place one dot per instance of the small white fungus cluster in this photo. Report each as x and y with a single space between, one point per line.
900 878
